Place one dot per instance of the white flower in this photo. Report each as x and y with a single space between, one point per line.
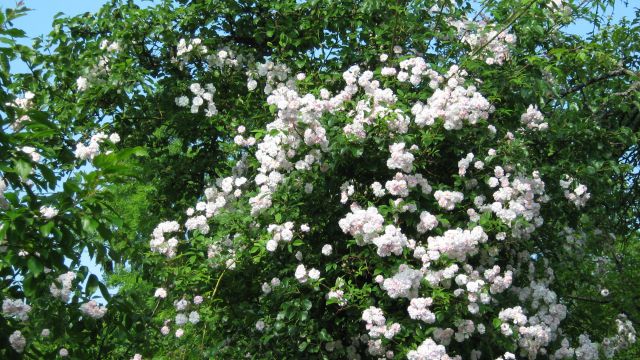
400 158
93 310
182 101
301 273
63 352
48 212
17 341
114 138
194 317
81 83
31 151
448 199
66 280
533 118
314 274
181 319
308 188
427 222
16 309
327 249
196 89
272 245
160 293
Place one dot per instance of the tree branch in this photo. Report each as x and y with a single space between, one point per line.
609 75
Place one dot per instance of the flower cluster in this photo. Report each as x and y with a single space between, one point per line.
183 315
464 164
223 251
23 104
31 151
625 337
456 243
533 119
66 281
267 287
302 275
448 199
404 284
192 45
92 75
158 242
429 350
48 212
240 140
200 96
518 197
84 152
427 222
376 324
419 310
279 233
16 309
400 158
93 310
485 39
454 103
17 341
363 225
273 73
578 196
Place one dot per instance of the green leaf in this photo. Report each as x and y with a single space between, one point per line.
496 323
104 291
89 224
45 229
35 266
303 345
22 168
92 285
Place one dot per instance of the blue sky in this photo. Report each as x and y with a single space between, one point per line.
38 22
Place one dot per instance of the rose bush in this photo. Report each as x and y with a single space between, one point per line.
420 180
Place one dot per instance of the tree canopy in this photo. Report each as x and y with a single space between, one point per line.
280 179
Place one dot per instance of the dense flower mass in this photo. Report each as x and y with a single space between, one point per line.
297 142
308 181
